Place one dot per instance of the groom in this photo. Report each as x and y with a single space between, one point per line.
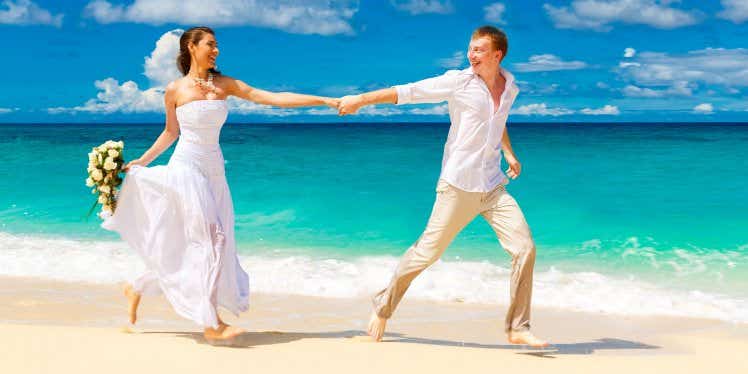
471 180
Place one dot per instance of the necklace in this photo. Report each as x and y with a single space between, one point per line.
206 85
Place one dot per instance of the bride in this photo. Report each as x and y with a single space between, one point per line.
179 217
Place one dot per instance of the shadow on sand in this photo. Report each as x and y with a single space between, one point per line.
253 339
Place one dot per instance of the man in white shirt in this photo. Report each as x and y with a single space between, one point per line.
471 180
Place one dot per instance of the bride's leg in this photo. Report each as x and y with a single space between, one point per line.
133 300
224 331
147 282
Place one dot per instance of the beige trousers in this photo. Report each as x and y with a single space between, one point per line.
453 210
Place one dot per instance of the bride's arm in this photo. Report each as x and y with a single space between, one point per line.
235 87
167 137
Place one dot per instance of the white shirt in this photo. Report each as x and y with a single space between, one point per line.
472 154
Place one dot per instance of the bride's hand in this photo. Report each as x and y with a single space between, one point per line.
134 162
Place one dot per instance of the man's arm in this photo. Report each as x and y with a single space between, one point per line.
431 90
351 104
515 168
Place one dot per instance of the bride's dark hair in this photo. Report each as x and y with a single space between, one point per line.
193 35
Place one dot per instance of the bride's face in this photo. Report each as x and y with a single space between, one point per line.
205 51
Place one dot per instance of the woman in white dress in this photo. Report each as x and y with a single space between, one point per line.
179 217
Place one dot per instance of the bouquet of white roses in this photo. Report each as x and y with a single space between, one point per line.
105 162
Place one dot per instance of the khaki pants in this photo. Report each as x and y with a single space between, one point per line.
453 210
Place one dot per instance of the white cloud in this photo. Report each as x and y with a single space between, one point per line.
610 110
415 7
627 64
376 110
598 15
327 111
160 66
495 13
548 62
541 110
678 88
734 10
629 52
717 66
7 110
540 88
26 12
454 62
436 110
704 108
114 97
312 17
634 91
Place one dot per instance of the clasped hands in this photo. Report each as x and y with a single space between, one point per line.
347 104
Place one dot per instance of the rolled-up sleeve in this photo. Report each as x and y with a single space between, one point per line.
431 90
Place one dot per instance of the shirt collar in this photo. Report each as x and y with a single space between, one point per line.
507 75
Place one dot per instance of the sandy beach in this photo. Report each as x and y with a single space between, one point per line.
77 327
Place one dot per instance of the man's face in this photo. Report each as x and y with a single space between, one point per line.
482 55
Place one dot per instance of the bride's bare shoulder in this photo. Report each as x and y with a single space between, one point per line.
175 86
227 83
177 83
224 80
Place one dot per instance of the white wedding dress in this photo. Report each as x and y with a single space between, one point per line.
180 219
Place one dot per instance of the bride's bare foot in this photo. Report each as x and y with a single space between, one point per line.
223 334
376 327
526 338
133 300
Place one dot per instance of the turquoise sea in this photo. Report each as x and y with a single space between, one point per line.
628 218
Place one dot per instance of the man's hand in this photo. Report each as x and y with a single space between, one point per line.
515 168
350 104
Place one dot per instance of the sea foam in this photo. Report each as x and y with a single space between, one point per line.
456 281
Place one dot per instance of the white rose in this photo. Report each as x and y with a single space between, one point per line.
102 199
92 157
105 189
96 174
109 164
89 182
102 148
113 153
99 159
120 144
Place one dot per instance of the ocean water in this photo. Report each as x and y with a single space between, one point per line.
632 219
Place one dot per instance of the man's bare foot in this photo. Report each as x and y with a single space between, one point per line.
526 338
376 327
133 300
223 334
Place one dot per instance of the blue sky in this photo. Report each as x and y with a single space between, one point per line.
575 60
